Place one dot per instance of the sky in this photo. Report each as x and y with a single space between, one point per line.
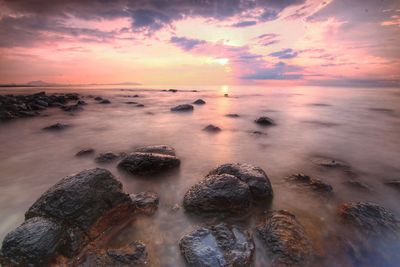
201 42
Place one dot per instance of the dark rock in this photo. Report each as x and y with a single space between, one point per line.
147 163
184 107
356 184
212 128
5 115
71 108
217 245
41 103
232 115
135 96
172 90
134 254
265 121
285 239
218 193
393 183
33 243
56 127
370 219
146 202
315 184
81 102
105 101
106 157
199 102
85 152
330 163
254 177
226 95
131 102
158 149
258 133
98 98
139 105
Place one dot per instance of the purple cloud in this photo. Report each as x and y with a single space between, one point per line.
186 43
284 54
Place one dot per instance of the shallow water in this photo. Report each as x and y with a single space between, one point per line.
360 127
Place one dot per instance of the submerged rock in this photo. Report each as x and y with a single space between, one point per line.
134 254
393 183
145 201
184 107
315 184
212 128
232 115
106 157
104 101
330 163
217 245
147 163
218 193
85 152
159 149
66 217
370 219
56 127
285 239
255 177
356 184
264 121
199 102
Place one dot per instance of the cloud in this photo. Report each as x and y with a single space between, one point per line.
267 39
284 54
186 43
279 71
246 23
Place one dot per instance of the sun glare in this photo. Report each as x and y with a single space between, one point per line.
222 61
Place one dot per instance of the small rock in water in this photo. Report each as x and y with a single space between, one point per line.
315 184
226 95
146 202
106 157
159 149
356 184
184 107
217 245
56 127
71 108
98 98
330 163
139 105
393 183
148 163
85 152
131 102
212 128
81 102
265 121
173 90
105 101
199 102
232 115
286 241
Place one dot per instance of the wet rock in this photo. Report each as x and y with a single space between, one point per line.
98 98
285 239
56 127
226 95
131 103
33 243
356 184
264 121
5 115
158 149
71 108
217 245
104 101
393 183
199 102
315 184
139 105
81 103
330 163
172 90
218 193
370 219
184 107
232 115
134 254
212 128
145 201
258 133
85 152
106 157
255 177
147 163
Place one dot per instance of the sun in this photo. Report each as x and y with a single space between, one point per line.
222 61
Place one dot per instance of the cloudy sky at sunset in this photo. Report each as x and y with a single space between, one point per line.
201 42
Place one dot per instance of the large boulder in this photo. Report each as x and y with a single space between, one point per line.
148 163
158 149
218 193
285 239
254 177
218 245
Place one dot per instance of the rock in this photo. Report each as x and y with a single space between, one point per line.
105 101
33 243
212 128
257 180
226 95
285 239
330 163
184 107
148 163
81 103
5 115
139 105
106 157
135 96
199 102
357 185
393 183
232 115
264 121
370 219
258 133
134 254
218 193
71 108
315 184
131 103
98 98
217 245
85 152
172 90
56 127
158 149
145 201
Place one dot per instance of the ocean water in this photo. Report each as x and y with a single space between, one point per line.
360 127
